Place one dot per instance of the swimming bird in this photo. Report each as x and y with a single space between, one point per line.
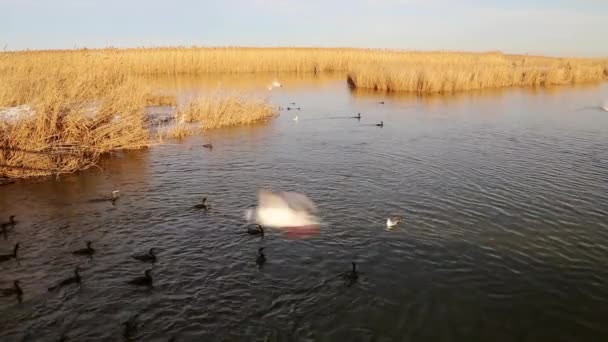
149 257
208 146
353 274
202 205
261 259
381 124
89 251
13 291
605 106
275 84
130 328
295 119
357 117
11 222
258 230
71 280
7 257
381 102
283 210
392 221
146 280
115 196
294 108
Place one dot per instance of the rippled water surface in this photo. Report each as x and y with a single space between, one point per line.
504 197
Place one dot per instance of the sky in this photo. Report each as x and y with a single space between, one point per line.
548 27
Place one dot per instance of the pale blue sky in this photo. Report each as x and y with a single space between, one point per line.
555 27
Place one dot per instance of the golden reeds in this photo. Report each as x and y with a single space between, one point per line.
452 78
89 102
74 120
225 110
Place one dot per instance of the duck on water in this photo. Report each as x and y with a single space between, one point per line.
352 276
258 230
202 205
88 251
261 259
68 281
7 257
13 291
146 280
10 223
148 257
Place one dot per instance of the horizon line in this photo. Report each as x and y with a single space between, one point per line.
270 47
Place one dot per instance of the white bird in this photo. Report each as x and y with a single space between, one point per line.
274 84
605 106
283 210
115 196
392 221
296 118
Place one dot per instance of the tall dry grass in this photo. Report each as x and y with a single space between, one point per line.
174 61
451 78
75 119
217 111
90 102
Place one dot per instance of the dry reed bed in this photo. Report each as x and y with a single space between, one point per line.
77 116
89 102
75 121
217 111
376 69
425 79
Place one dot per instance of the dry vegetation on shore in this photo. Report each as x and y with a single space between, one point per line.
89 102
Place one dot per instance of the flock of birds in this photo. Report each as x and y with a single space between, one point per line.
130 326
146 280
259 215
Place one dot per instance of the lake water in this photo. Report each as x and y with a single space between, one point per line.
504 196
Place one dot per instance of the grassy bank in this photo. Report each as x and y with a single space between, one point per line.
71 120
70 115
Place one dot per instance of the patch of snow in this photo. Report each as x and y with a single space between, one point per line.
15 114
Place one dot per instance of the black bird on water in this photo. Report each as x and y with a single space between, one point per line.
7 257
261 259
358 117
259 230
381 102
13 291
208 146
146 280
11 222
130 329
149 257
294 108
352 276
88 251
381 124
202 205
72 280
